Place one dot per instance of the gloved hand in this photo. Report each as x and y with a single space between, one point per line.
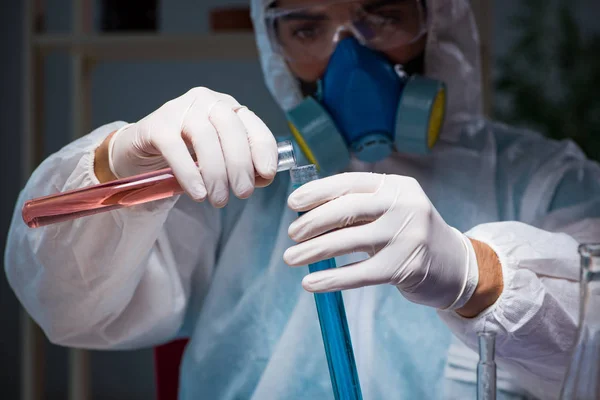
230 143
390 218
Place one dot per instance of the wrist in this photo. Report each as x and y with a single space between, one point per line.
101 161
490 284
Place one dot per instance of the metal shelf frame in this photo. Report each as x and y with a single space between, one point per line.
85 49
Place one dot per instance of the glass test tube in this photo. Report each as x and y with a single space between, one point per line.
332 318
119 193
486 367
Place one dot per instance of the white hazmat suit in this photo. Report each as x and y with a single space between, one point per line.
146 275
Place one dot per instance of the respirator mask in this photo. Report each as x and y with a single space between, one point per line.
363 105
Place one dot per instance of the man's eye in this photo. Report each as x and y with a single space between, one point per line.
306 32
388 18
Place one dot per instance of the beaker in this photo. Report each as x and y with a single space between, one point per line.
582 379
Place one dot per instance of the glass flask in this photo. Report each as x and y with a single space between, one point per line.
582 379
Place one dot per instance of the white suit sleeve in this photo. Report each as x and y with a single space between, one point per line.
107 281
535 318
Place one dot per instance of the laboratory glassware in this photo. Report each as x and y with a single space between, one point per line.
332 318
486 367
582 379
126 192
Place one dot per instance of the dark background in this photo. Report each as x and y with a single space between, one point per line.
565 84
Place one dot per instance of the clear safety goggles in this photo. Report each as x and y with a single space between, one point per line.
311 32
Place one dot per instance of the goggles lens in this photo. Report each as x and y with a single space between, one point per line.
312 32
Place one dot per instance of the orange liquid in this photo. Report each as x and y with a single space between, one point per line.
117 194
95 199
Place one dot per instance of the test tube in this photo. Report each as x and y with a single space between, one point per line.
486 367
119 193
332 318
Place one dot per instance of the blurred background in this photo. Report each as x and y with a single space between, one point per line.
541 69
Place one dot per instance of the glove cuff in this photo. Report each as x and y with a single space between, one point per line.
111 145
471 278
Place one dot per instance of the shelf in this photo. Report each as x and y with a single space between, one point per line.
143 47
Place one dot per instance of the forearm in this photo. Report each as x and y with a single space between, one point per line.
535 315
490 284
101 163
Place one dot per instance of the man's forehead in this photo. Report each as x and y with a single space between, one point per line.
311 3
299 3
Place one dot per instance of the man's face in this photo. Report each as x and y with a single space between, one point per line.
309 33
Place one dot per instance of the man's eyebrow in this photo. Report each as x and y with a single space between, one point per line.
304 16
375 4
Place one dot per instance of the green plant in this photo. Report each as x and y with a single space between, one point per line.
550 78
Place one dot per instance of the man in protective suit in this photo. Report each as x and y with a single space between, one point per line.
438 239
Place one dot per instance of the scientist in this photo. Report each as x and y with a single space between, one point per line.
475 231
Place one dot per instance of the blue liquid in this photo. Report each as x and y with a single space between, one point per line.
336 338
334 325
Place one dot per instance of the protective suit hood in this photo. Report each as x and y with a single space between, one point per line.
451 55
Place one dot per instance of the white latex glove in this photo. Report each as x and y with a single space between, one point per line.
229 141
390 218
